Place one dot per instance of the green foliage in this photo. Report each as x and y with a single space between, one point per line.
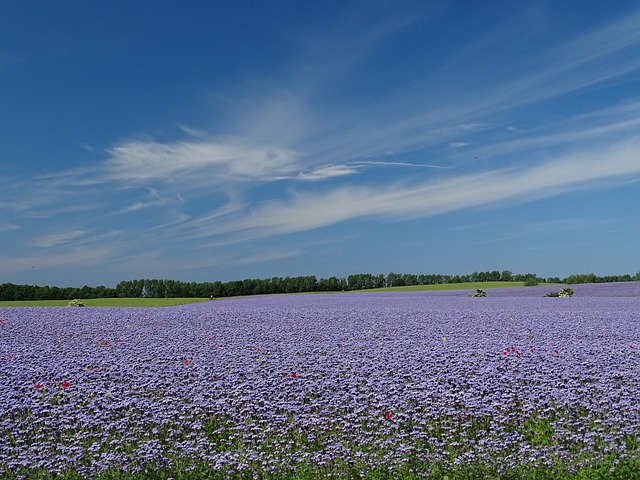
581 278
10 291
479 293
565 292
75 303
365 281
506 276
531 282
593 278
608 468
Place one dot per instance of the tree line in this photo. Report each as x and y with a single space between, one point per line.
362 281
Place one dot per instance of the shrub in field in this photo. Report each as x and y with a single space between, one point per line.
76 303
479 293
565 292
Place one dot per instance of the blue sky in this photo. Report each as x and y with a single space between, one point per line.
204 141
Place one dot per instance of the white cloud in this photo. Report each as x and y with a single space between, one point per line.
153 199
401 164
261 257
140 161
77 257
328 171
397 201
54 239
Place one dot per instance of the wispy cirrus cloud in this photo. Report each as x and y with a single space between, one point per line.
152 200
328 171
140 161
305 211
72 258
542 229
54 239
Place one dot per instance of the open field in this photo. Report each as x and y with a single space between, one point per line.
167 302
451 286
107 302
430 384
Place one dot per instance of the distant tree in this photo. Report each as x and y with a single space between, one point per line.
359 281
409 279
234 288
330 284
581 278
7 292
293 284
130 289
395 280
216 290
430 279
506 276
86 292
379 281
308 283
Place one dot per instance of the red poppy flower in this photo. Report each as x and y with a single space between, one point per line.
557 352
294 375
38 385
387 415
185 361
65 384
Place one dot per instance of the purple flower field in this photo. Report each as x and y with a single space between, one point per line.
415 381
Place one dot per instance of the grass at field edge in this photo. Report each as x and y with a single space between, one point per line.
106 302
628 469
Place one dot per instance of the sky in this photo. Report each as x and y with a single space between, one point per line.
224 140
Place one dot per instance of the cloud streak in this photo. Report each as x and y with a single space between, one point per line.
58 238
402 201
144 161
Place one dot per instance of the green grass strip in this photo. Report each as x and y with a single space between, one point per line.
106 302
